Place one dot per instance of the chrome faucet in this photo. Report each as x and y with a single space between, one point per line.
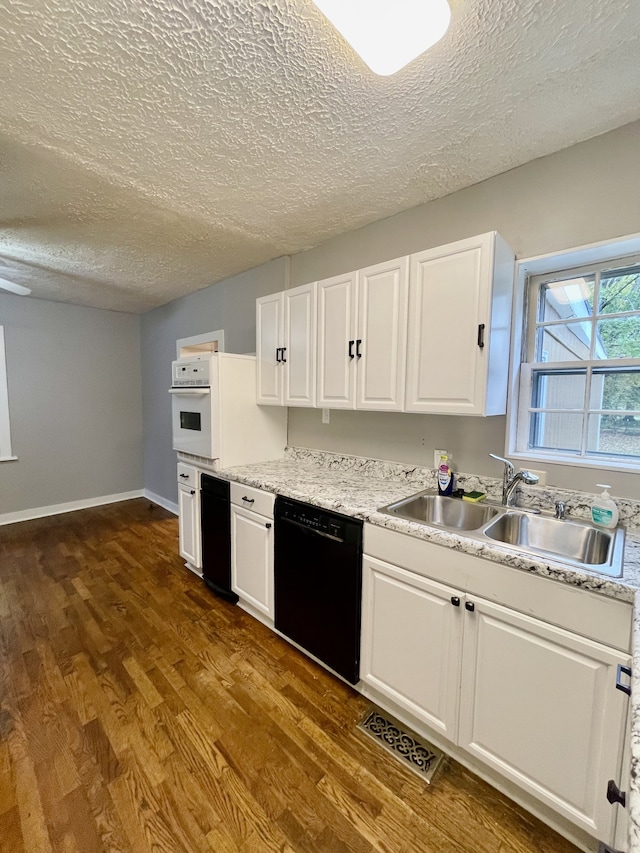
510 480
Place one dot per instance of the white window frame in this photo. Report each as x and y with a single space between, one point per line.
519 388
5 427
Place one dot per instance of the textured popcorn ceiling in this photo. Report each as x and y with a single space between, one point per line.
149 148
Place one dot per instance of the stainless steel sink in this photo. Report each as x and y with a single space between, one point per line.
570 541
452 513
579 543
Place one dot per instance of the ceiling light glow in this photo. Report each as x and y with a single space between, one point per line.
388 34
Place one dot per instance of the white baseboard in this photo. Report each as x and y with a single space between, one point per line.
58 509
163 502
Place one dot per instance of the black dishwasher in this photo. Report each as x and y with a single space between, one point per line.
318 583
215 524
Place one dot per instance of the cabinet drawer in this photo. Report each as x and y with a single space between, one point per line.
253 499
188 475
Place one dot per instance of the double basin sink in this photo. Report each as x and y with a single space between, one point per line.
570 541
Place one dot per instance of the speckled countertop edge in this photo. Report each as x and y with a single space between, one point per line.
357 487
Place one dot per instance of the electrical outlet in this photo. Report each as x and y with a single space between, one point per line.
541 475
436 457
326 416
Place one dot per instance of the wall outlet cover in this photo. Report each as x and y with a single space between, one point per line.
436 457
326 416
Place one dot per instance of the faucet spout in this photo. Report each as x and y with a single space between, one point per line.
510 480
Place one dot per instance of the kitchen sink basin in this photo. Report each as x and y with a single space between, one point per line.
441 511
578 543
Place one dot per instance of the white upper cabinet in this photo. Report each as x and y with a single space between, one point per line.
269 329
459 327
286 347
336 342
362 338
381 343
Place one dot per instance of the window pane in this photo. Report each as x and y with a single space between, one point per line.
619 389
556 431
564 300
570 342
620 291
558 390
614 435
618 338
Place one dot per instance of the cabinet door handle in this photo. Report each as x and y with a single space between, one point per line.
358 353
248 500
455 601
615 795
470 606
481 335
283 359
277 355
351 343
192 492
268 525
623 670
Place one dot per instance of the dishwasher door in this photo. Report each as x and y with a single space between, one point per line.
318 583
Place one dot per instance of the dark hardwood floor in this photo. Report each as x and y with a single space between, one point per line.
138 713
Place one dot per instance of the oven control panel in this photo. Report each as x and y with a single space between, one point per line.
189 371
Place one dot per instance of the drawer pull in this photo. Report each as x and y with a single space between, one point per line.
248 500
268 525
623 670
455 601
470 606
185 476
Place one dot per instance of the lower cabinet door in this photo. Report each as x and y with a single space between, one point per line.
189 525
539 705
252 559
411 643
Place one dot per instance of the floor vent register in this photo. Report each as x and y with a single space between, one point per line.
417 754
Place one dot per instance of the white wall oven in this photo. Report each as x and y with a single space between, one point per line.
193 391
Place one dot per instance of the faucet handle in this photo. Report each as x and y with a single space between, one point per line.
561 509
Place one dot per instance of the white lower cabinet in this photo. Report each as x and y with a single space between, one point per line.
531 700
252 550
189 518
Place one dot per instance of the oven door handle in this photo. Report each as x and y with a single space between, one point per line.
190 392
311 531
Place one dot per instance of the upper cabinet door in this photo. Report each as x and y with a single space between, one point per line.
336 342
269 333
299 355
381 341
459 321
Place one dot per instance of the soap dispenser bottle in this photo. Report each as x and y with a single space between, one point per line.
445 476
604 511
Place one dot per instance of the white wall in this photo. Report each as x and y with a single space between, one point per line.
75 403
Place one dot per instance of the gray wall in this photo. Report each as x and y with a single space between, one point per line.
229 305
75 403
584 194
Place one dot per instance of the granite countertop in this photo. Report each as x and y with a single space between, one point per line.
356 487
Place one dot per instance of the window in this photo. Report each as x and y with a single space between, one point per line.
579 384
5 432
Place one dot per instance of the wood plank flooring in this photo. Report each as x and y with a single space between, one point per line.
138 713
